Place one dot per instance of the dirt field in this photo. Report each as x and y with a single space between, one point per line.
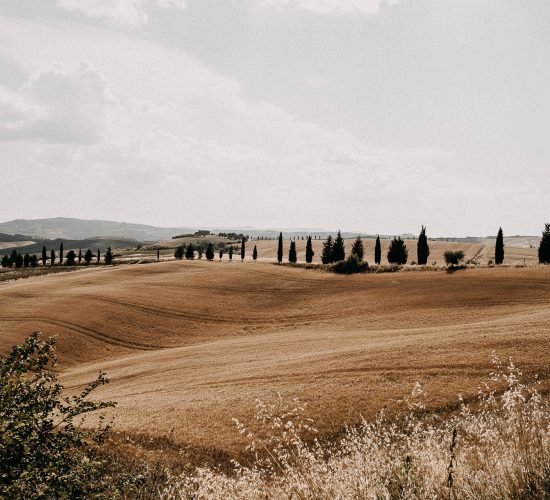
188 345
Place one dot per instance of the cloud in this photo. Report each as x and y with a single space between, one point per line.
58 104
326 7
129 13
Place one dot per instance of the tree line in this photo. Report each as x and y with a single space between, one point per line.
71 258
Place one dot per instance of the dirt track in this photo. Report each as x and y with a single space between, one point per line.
188 345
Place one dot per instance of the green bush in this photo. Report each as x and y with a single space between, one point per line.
43 454
453 257
350 266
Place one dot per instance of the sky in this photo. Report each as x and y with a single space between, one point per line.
376 116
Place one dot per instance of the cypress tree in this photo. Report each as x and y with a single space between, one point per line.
44 256
280 249
34 261
377 251
190 252
397 253
88 256
326 255
358 249
243 248
499 248
292 257
52 257
255 253
544 247
210 251
6 261
179 252
98 257
158 253
221 253
422 248
108 258
338 249
79 255
13 257
27 260
230 252
61 254
309 251
18 260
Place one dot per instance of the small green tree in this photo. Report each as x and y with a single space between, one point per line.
210 251
27 260
230 252
453 257
199 251
220 253
52 257
357 249
309 251
280 249
43 453
98 257
108 257
499 248
88 256
255 253
338 248
326 254
158 253
61 254
19 261
190 252
292 257
71 257
44 256
544 246
34 261
243 248
6 261
422 248
179 252
377 251
79 255
397 253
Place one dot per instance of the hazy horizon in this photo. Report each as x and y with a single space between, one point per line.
369 115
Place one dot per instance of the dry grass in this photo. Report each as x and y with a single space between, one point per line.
189 345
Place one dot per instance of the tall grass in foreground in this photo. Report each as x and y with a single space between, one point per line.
496 446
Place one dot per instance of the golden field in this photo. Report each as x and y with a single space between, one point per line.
188 345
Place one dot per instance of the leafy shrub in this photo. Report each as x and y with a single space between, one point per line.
42 452
397 253
350 266
453 257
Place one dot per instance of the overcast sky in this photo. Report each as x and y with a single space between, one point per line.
367 115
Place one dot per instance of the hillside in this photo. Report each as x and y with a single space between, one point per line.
188 345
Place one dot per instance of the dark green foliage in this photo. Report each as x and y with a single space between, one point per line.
377 251
61 254
397 253
309 251
255 253
326 255
34 261
79 256
358 249
43 454
6 261
158 253
179 252
221 253
108 257
243 249
292 257
338 248
544 247
280 249
71 257
200 251
190 252
422 248
499 248
210 252
27 260
13 257
453 257
98 257
88 256
230 252
19 260
350 266
52 257
44 256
